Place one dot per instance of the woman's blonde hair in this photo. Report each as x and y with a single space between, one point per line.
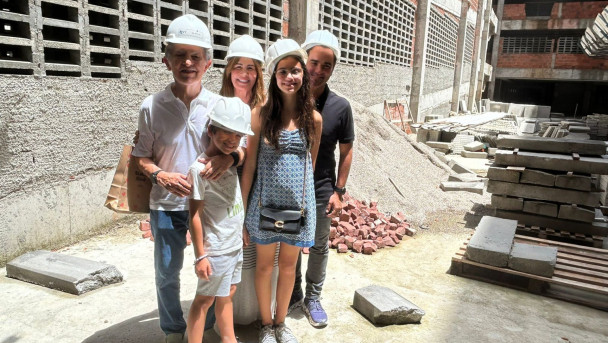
257 96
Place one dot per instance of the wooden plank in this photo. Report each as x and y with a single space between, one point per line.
601 278
583 147
595 228
559 162
528 191
568 262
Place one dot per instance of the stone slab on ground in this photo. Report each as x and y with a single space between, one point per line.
577 213
459 168
383 306
473 146
533 259
491 243
474 154
507 203
559 162
605 243
66 273
595 228
530 143
455 186
537 177
541 208
467 177
544 193
438 145
578 182
503 174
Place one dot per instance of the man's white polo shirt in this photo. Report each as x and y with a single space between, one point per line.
172 137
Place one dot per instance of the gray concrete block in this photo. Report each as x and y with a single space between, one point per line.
533 259
540 207
595 228
605 243
544 193
503 174
383 306
492 151
459 168
474 154
577 213
507 203
528 126
473 146
530 143
467 177
537 177
66 273
438 145
454 186
558 162
491 243
578 182
434 135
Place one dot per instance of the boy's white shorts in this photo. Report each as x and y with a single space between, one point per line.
226 270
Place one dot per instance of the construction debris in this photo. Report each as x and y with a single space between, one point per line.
364 229
383 306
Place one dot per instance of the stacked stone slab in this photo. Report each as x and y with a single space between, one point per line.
493 244
549 182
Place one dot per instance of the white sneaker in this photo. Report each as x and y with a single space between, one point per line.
284 334
174 338
266 334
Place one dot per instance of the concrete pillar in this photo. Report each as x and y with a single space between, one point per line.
85 46
303 18
483 53
462 33
423 14
500 6
475 63
36 34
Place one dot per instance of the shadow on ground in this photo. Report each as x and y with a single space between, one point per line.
473 216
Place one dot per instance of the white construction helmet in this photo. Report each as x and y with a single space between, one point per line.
231 114
245 46
323 38
281 49
190 30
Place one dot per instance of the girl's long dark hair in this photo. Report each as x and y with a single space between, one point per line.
271 111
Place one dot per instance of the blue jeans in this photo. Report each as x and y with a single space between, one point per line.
317 260
169 229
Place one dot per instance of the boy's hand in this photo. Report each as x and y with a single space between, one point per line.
215 166
334 207
136 137
175 183
246 240
203 269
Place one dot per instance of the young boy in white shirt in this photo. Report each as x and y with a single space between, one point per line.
216 222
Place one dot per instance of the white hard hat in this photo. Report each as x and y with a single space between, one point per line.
246 46
323 38
190 30
281 49
231 114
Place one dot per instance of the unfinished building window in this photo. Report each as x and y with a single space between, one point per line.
539 9
370 31
442 38
569 45
526 45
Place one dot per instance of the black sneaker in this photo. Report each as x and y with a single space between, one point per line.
296 300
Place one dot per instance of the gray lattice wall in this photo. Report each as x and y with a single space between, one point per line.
442 39
96 37
371 31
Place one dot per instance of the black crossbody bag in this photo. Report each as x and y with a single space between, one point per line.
284 221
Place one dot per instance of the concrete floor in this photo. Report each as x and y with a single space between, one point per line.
457 309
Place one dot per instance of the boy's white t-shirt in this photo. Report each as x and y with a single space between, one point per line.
223 214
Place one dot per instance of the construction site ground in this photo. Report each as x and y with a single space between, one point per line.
390 168
457 309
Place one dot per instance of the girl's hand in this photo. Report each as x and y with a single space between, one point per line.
203 269
246 240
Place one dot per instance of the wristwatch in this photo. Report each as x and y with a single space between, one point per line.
339 190
154 175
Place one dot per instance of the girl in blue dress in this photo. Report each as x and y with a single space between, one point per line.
283 152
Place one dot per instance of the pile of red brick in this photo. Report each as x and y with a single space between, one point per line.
144 227
364 229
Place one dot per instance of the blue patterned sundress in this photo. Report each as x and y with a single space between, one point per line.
282 174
